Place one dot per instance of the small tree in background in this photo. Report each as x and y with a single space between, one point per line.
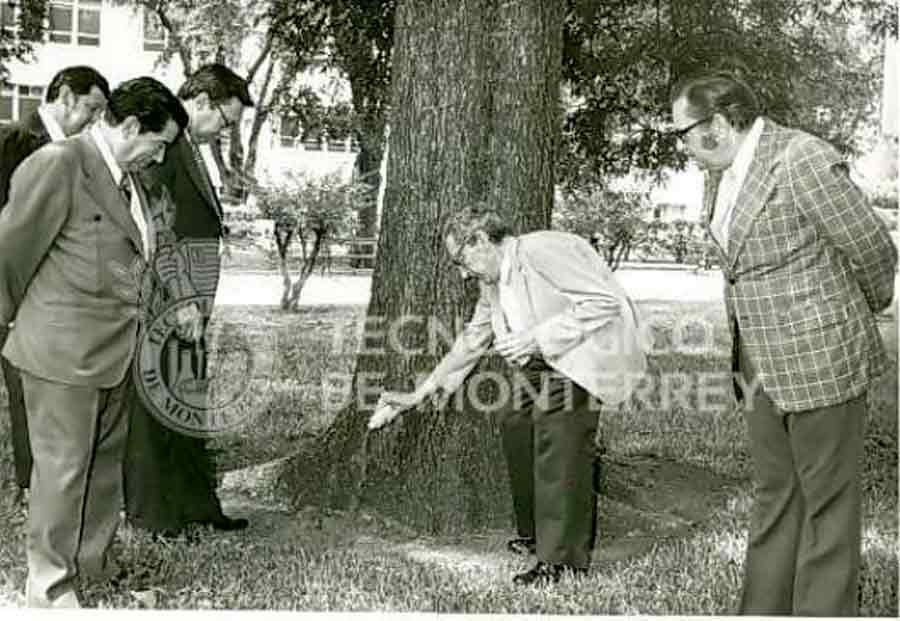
21 29
613 221
313 211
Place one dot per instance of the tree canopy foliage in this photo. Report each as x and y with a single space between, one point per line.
816 65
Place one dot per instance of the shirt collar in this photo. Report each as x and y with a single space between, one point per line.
54 130
509 251
744 156
107 155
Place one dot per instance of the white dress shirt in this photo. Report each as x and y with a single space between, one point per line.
137 210
517 319
732 179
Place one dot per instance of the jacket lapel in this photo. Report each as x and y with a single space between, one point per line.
147 209
105 190
199 177
751 198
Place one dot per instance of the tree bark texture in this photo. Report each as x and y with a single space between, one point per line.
475 116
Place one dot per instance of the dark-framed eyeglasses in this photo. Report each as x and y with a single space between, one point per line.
456 259
680 134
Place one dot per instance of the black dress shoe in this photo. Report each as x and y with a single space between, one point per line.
227 524
521 545
546 573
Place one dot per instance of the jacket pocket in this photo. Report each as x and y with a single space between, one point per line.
96 225
815 315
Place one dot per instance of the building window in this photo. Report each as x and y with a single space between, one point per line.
8 17
75 21
10 14
6 106
18 101
155 36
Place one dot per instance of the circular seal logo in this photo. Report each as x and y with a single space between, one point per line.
196 388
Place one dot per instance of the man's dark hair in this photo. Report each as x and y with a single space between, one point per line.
219 82
149 101
718 92
463 224
80 79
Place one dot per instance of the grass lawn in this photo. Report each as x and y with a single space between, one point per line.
672 521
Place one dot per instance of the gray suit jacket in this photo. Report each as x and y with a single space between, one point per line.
70 253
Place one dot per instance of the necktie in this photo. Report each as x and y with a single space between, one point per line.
125 188
137 214
723 207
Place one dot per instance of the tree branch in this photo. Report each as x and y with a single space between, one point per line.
264 53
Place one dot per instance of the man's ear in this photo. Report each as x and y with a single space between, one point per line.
721 127
131 127
202 100
66 97
480 236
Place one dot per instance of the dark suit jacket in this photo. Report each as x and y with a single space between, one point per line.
18 141
68 243
198 212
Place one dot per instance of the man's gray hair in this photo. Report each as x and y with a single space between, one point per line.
463 224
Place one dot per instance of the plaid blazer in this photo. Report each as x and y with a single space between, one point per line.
808 264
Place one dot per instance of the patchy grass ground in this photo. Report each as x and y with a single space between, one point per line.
672 521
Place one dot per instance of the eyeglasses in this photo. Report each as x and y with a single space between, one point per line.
680 134
225 120
456 259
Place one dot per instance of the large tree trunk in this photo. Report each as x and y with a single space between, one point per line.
475 117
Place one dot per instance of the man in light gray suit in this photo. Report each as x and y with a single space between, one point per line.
73 230
552 308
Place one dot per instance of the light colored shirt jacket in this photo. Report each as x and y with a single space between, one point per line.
586 328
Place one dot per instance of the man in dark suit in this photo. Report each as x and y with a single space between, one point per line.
75 97
170 478
73 226
807 265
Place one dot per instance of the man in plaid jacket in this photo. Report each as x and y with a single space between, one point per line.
807 265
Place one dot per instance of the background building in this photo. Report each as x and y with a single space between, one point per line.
124 42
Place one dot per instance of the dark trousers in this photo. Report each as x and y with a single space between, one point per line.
170 477
18 421
548 439
803 553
